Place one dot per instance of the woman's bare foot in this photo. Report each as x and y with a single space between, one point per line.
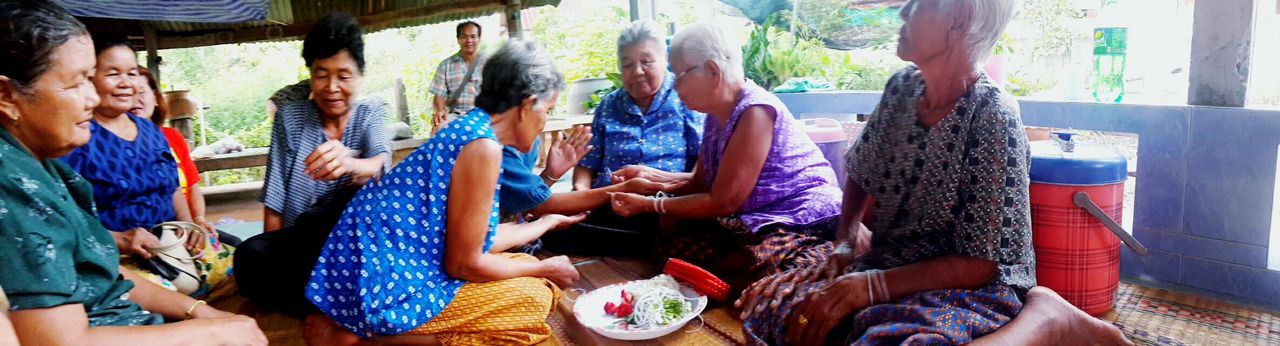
319 330
1075 327
1047 319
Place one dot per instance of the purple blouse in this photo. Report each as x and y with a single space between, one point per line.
797 186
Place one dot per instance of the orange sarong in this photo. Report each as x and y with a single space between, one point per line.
512 311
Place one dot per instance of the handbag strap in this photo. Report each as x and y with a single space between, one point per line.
456 94
190 229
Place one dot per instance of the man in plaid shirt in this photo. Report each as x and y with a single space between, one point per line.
451 74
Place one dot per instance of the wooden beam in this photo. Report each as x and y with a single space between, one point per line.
370 22
1221 45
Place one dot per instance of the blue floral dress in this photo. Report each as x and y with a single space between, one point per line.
382 269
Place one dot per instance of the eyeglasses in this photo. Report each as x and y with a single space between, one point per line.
681 74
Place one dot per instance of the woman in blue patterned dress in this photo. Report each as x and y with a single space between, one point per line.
59 269
418 254
134 174
942 168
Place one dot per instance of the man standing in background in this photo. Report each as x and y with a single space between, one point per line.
457 80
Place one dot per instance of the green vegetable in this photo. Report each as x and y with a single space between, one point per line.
672 309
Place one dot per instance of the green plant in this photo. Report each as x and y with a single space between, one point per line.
801 59
755 54
1004 46
598 95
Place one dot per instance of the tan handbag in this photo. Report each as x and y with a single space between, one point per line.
171 259
4 302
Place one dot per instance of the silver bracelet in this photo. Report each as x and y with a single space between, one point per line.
871 292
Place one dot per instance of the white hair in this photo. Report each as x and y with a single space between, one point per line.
703 42
641 31
983 20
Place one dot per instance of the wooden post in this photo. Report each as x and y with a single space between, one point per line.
515 29
152 44
402 102
643 9
1221 44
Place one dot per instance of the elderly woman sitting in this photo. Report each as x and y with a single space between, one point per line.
323 149
643 124
417 255
758 176
942 167
61 270
135 176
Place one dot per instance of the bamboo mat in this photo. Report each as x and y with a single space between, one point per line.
1148 316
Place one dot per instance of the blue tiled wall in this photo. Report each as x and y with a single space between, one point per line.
1205 185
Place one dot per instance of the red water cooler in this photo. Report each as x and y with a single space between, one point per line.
1077 199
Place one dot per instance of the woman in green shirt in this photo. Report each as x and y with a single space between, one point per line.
61 269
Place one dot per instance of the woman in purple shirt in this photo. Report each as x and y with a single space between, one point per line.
764 185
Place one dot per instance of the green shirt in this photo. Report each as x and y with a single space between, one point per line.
54 250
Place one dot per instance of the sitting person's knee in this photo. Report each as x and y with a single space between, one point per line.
536 294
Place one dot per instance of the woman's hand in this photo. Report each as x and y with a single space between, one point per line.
637 171
135 242
847 252
208 226
642 186
230 330
329 161
567 151
560 271
822 309
630 204
768 293
197 240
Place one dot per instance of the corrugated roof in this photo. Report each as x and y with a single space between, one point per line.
292 18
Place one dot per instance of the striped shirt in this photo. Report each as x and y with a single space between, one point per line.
449 77
296 133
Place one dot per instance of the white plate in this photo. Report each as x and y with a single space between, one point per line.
589 310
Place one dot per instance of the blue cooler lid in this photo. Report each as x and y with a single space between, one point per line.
1086 165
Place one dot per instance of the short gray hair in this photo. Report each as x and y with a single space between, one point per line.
641 31
703 42
518 70
984 20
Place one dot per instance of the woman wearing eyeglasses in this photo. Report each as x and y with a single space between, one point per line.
762 198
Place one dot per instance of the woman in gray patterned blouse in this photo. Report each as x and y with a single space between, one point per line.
323 149
942 168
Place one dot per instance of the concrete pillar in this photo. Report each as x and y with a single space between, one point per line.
643 9
1221 43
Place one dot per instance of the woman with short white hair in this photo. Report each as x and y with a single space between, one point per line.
643 123
761 198
942 167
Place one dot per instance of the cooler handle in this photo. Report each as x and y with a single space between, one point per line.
1083 201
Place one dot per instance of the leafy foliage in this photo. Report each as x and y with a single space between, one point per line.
771 57
598 95
755 54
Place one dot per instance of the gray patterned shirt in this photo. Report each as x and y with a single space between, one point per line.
296 132
958 187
